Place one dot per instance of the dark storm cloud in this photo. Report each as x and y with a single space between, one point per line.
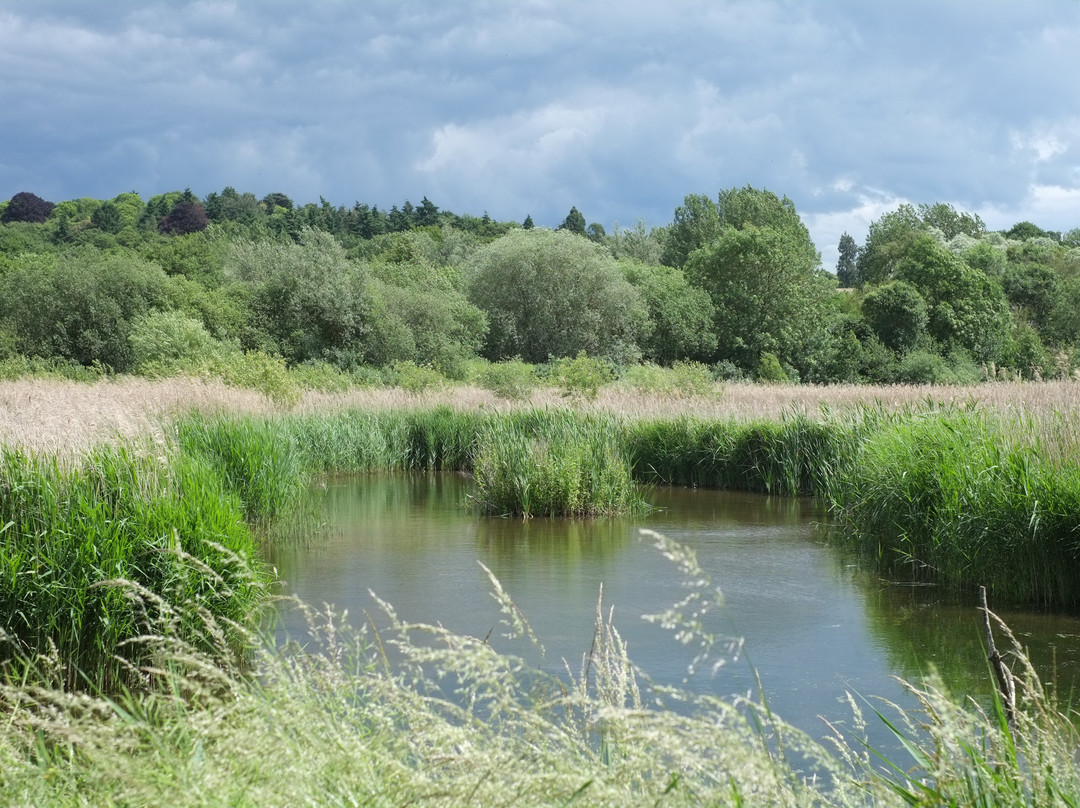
530 107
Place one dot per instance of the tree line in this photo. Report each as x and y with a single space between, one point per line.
733 281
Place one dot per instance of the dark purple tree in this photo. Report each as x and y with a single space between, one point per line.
185 217
27 207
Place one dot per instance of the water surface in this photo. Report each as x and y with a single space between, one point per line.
814 626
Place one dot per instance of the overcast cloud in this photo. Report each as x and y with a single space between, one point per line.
515 108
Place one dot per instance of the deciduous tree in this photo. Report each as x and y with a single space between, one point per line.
897 313
26 207
549 293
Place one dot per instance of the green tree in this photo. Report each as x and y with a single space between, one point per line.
897 313
886 243
768 293
1022 231
308 300
550 294
950 221
697 223
1033 290
233 206
81 305
274 200
422 313
107 218
967 310
680 314
427 215
846 272
762 273
528 223
164 341
982 256
637 243
574 222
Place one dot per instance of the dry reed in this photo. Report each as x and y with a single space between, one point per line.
68 418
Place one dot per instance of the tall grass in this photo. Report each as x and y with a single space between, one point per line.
950 494
457 721
795 456
553 464
170 529
956 496
966 498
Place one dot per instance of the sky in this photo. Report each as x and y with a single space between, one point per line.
847 107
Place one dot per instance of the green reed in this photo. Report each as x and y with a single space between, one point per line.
965 498
951 496
553 464
70 535
796 456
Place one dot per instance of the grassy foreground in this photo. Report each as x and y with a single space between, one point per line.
455 721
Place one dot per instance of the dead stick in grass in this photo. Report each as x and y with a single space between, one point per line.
1006 685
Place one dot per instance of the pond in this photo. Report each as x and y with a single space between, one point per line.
814 624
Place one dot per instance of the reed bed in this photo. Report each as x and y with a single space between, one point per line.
961 496
68 418
794 456
552 463
166 529
966 498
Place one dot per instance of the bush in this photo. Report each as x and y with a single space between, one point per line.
414 378
583 376
925 367
323 377
682 378
770 370
163 342
255 370
512 380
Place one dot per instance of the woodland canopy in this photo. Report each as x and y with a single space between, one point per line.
734 281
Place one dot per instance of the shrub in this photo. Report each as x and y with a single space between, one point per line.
163 342
583 376
255 370
512 380
414 378
769 368
322 376
682 378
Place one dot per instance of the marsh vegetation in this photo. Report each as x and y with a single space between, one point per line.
132 586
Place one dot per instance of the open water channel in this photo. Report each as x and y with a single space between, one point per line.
814 624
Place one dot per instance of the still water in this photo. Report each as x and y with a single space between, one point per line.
814 625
